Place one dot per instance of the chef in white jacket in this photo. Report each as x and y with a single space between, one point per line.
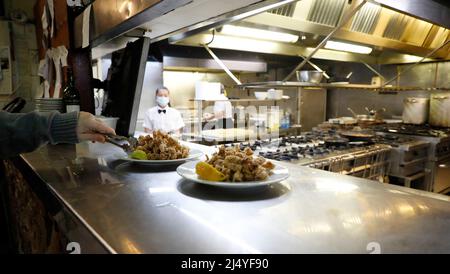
162 116
223 111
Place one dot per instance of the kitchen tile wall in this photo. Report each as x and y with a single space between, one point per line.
25 53
25 65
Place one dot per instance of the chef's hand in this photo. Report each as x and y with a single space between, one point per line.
91 129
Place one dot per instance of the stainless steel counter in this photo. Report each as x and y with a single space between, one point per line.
135 209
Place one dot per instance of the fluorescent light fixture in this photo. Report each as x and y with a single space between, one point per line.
347 47
411 58
243 44
259 34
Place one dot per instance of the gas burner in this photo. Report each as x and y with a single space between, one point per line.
254 145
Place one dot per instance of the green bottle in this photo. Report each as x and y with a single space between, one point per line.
71 96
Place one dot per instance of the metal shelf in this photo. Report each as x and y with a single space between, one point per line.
281 84
241 100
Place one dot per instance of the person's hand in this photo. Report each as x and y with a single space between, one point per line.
91 129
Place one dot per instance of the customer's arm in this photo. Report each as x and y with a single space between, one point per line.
24 132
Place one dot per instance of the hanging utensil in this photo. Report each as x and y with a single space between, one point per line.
354 113
349 75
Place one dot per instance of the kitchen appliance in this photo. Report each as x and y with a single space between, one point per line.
309 76
440 110
415 110
408 160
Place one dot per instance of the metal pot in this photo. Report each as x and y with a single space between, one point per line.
440 110
309 76
415 110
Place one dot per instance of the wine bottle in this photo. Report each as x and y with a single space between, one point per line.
71 96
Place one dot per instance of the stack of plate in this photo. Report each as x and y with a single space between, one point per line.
49 104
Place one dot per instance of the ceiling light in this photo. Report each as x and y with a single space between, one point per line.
411 58
259 34
348 47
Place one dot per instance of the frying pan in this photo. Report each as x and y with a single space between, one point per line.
361 135
336 141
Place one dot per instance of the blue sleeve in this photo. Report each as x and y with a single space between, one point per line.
24 132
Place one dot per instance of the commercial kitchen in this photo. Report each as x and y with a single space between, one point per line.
351 97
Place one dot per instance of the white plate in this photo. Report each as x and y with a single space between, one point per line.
187 171
193 154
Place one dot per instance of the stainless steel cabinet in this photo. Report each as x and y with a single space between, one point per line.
442 179
312 107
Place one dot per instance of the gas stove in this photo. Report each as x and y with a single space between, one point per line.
291 150
301 148
318 145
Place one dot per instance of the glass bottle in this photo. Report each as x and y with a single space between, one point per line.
71 96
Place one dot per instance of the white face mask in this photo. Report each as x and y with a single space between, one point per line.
162 101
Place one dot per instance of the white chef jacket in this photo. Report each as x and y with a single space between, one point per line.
167 122
224 106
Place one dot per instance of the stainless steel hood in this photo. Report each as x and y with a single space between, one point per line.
392 31
159 19
209 65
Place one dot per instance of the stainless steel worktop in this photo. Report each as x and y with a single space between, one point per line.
135 209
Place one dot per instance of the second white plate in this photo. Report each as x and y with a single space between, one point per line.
187 171
193 154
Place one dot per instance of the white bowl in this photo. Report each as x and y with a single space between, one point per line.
275 94
261 95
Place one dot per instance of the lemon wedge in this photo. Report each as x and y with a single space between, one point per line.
139 154
207 172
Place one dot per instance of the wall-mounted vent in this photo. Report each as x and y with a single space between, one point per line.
326 12
396 26
286 10
366 19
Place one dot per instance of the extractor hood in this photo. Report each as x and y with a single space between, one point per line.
394 35
111 23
